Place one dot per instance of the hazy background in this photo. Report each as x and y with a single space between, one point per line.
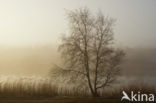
30 32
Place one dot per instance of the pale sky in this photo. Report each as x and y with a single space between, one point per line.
31 22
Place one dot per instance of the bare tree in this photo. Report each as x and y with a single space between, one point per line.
88 51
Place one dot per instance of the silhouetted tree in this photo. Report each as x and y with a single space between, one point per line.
88 51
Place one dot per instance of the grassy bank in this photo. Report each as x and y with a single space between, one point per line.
28 90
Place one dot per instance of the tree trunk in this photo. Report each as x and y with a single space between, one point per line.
90 85
95 94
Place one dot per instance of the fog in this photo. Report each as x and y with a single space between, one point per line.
140 62
38 60
30 32
27 60
31 22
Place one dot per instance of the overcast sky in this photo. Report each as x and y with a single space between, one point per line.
31 22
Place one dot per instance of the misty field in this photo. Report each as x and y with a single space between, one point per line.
42 90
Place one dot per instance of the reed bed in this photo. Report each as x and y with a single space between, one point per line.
39 87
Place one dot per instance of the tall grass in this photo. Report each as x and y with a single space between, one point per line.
36 87
136 87
26 87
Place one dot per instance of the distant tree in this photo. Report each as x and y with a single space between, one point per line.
88 51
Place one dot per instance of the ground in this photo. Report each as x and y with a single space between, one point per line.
62 100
